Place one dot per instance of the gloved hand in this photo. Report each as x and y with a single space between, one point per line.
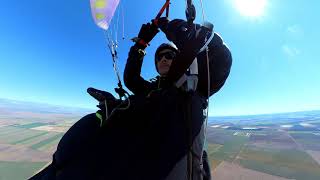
147 33
162 22
104 98
189 38
181 33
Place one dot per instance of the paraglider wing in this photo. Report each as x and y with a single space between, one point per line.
102 11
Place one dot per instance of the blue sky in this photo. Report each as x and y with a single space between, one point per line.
51 51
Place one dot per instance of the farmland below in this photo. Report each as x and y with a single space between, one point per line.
29 134
269 147
279 146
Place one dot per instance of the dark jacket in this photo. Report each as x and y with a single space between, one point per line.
150 140
171 132
176 132
132 78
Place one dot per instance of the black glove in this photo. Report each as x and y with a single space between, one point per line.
162 22
181 33
104 98
147 33
189 38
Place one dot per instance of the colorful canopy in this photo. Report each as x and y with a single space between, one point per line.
102 11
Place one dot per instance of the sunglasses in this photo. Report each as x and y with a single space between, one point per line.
168 55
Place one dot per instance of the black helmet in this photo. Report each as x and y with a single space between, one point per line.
164 46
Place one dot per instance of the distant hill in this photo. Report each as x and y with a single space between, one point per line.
14 105
288 117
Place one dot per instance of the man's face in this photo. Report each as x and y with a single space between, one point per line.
164 61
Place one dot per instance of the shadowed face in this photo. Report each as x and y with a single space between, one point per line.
164 61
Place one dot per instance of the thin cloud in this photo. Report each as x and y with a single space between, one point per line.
290 51
295 30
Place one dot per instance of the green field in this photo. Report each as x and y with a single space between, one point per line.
48 142
23 136
20 135
36 139
212 148
292 164
230 149
54 142
227 151
18 170
15 135
30 138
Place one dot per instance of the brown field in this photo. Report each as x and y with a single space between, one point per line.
52 128
217 136
276 141
230 171
214 164
315 155
5 123
17 153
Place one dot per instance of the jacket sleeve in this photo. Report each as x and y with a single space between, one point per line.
132 79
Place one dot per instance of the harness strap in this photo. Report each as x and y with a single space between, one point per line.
192 80
205 46
193 68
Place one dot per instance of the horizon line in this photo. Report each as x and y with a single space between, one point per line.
271 113
215 116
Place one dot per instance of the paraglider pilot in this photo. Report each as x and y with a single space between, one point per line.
171 62
161 135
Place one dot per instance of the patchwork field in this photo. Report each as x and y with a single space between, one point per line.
18 170
14 153
47 143
28 140
212 149
239 148
274 139
228 149
23 151
292 164
273 154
